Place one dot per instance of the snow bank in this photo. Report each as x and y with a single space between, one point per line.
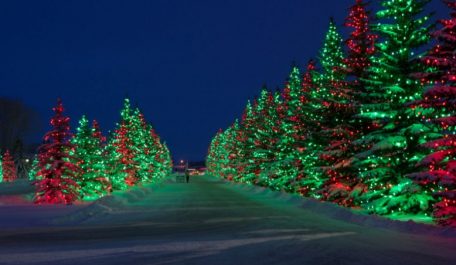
337 212
109 207
18 187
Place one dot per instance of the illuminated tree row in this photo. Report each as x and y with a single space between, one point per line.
359 123
86 166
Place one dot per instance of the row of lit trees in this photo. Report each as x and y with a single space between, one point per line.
87 166
374 126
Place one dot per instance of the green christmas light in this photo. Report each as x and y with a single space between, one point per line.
90 158
392 147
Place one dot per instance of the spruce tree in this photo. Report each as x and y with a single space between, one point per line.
292 134
439 167
1 167
393 147
212 160
269 133
248 171
89 157
8 167
56 176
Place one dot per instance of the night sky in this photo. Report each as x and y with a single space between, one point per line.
189 65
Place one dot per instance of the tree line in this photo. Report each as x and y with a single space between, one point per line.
369 124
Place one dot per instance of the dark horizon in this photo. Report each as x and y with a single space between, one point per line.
190 66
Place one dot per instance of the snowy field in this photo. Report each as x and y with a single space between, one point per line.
209 221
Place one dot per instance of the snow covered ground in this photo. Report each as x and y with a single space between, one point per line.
209 221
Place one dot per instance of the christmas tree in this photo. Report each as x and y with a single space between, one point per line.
159 157
360 51
1 168
248 172
292 134
125 148
89 157
309 179
9 169
346 95
134 152
329 105
439 168
212 160
113 164
32 174
167 164
56 176
361 42
270 113
140 145
336 110
393 147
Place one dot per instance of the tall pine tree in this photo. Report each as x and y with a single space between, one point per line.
9 168
393 147
56 176
89 157
439 168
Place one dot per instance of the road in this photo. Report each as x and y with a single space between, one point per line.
210 222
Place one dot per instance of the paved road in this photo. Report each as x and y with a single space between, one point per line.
210 222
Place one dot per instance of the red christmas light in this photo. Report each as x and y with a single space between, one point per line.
9 169
56 173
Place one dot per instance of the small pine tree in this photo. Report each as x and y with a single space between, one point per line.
9 169
56 176
1 168
292 129
32 174
88 155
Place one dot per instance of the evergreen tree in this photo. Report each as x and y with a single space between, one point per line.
32 175
439 168
89 157
309 178
212 160
140 137
341 128
328 101
360 44
360 51
248 172
159 157
167 160
1 168
227 140
56 176
292 134
269 133
336 111
9 169
125 147
392 148
114 166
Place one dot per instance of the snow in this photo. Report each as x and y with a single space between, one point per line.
18 187
210 221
